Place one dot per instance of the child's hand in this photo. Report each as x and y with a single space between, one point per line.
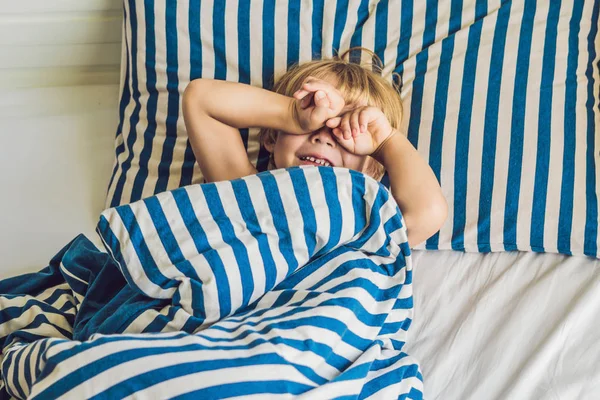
316 102
361 130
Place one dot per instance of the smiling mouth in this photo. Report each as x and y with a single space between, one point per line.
316 161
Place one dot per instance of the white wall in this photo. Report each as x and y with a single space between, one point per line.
59 84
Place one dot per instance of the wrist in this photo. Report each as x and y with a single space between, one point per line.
293 117
287 119
282 115
388 147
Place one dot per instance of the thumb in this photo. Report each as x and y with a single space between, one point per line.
321 112
321 99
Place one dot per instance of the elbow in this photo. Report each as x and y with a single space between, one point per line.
433 216
195 83
196 88
188 95
438 213
427 221
192 89
192 99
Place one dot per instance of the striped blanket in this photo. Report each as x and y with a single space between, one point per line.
290 283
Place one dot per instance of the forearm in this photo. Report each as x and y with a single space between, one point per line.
415 188
242 106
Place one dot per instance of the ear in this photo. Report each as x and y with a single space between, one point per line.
270 141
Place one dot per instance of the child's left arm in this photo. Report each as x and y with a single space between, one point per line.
415 188
413 184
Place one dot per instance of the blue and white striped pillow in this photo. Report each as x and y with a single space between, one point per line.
500 96
506 110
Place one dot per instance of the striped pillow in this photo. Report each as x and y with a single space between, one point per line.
501 97
505 108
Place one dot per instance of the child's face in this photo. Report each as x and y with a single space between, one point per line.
293 150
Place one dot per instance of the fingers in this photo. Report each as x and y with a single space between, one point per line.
363 120
337 132
333 122
307 88
314 85
354 125
306 100
367 116
345 126
319 98
350 124
354 122
321 112
300 94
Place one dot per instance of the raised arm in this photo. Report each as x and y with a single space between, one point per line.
366 130
414 187
214 110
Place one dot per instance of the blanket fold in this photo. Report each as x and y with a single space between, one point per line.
294 283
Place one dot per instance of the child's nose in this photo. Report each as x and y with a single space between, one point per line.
324 136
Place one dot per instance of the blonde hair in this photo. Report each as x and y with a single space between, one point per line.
357 82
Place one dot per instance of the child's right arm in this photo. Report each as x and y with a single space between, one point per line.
214 110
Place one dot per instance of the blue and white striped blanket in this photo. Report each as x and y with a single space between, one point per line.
290 283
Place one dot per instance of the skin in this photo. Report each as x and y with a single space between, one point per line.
320 142
316 122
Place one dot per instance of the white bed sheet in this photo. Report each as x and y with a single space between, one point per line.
506 325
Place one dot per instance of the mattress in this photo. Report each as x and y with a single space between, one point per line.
506 325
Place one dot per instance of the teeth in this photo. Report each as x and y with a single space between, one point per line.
316 160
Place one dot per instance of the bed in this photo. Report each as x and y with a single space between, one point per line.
506 325
501 324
